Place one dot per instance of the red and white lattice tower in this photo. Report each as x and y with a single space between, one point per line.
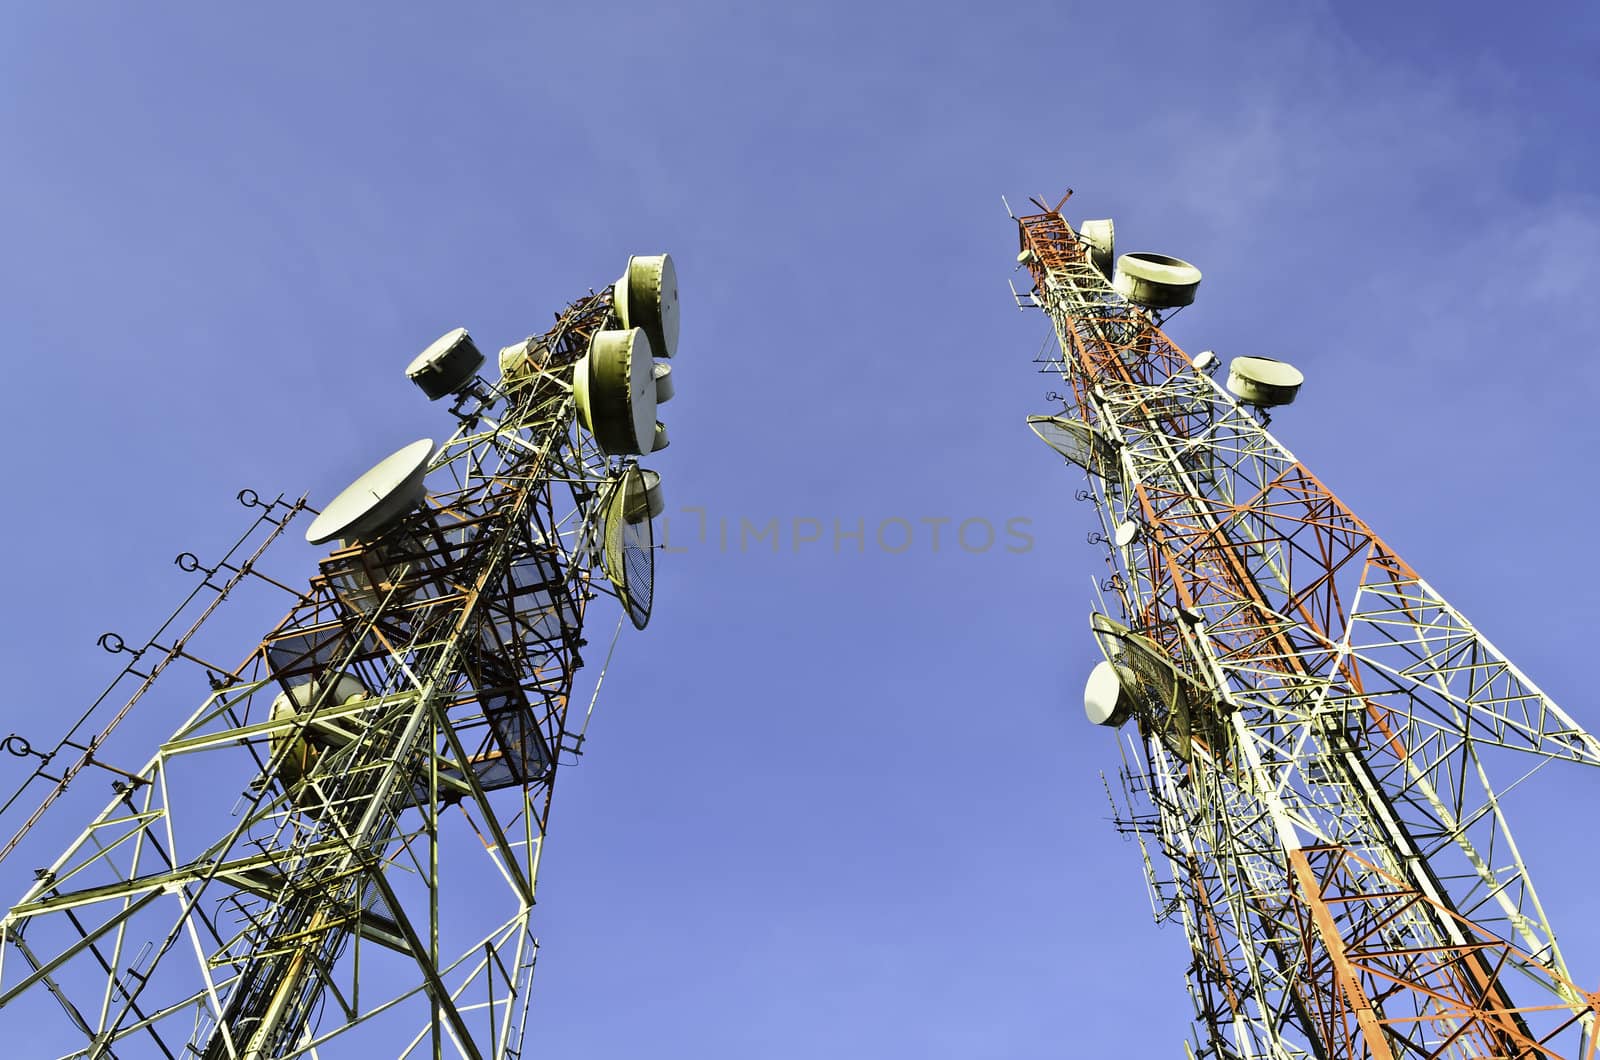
1315 742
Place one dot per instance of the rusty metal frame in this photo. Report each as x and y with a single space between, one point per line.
1369 979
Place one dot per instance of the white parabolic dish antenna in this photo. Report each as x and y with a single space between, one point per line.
1156 678
647 297
654 501
1156 281
615 387
1263 381
297 763
1102 239
447 365
1106 696
393 488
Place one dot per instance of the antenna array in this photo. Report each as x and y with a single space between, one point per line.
343 840
1317 746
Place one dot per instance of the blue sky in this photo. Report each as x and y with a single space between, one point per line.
837 801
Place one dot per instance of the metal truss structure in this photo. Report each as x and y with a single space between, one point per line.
1323 746
354 877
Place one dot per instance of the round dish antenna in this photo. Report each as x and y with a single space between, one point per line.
1081 443
654 501
392 489
1170 697
1102 240
582 388
647 297
659 439
1155 281
615 387
1109 696
447 365
334 692
1263 381
522 359
662 372
628 553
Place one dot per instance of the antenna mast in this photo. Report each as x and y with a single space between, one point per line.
1316 743
343 840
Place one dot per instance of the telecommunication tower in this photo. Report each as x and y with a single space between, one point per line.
336 853
1317 747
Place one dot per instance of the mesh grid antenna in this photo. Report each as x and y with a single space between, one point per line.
629 556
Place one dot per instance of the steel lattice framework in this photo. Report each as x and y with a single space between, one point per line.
381 891
1323 745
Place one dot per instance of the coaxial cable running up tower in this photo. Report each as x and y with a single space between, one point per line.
1317 745
385 756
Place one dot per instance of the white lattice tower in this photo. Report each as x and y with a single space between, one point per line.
355 874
